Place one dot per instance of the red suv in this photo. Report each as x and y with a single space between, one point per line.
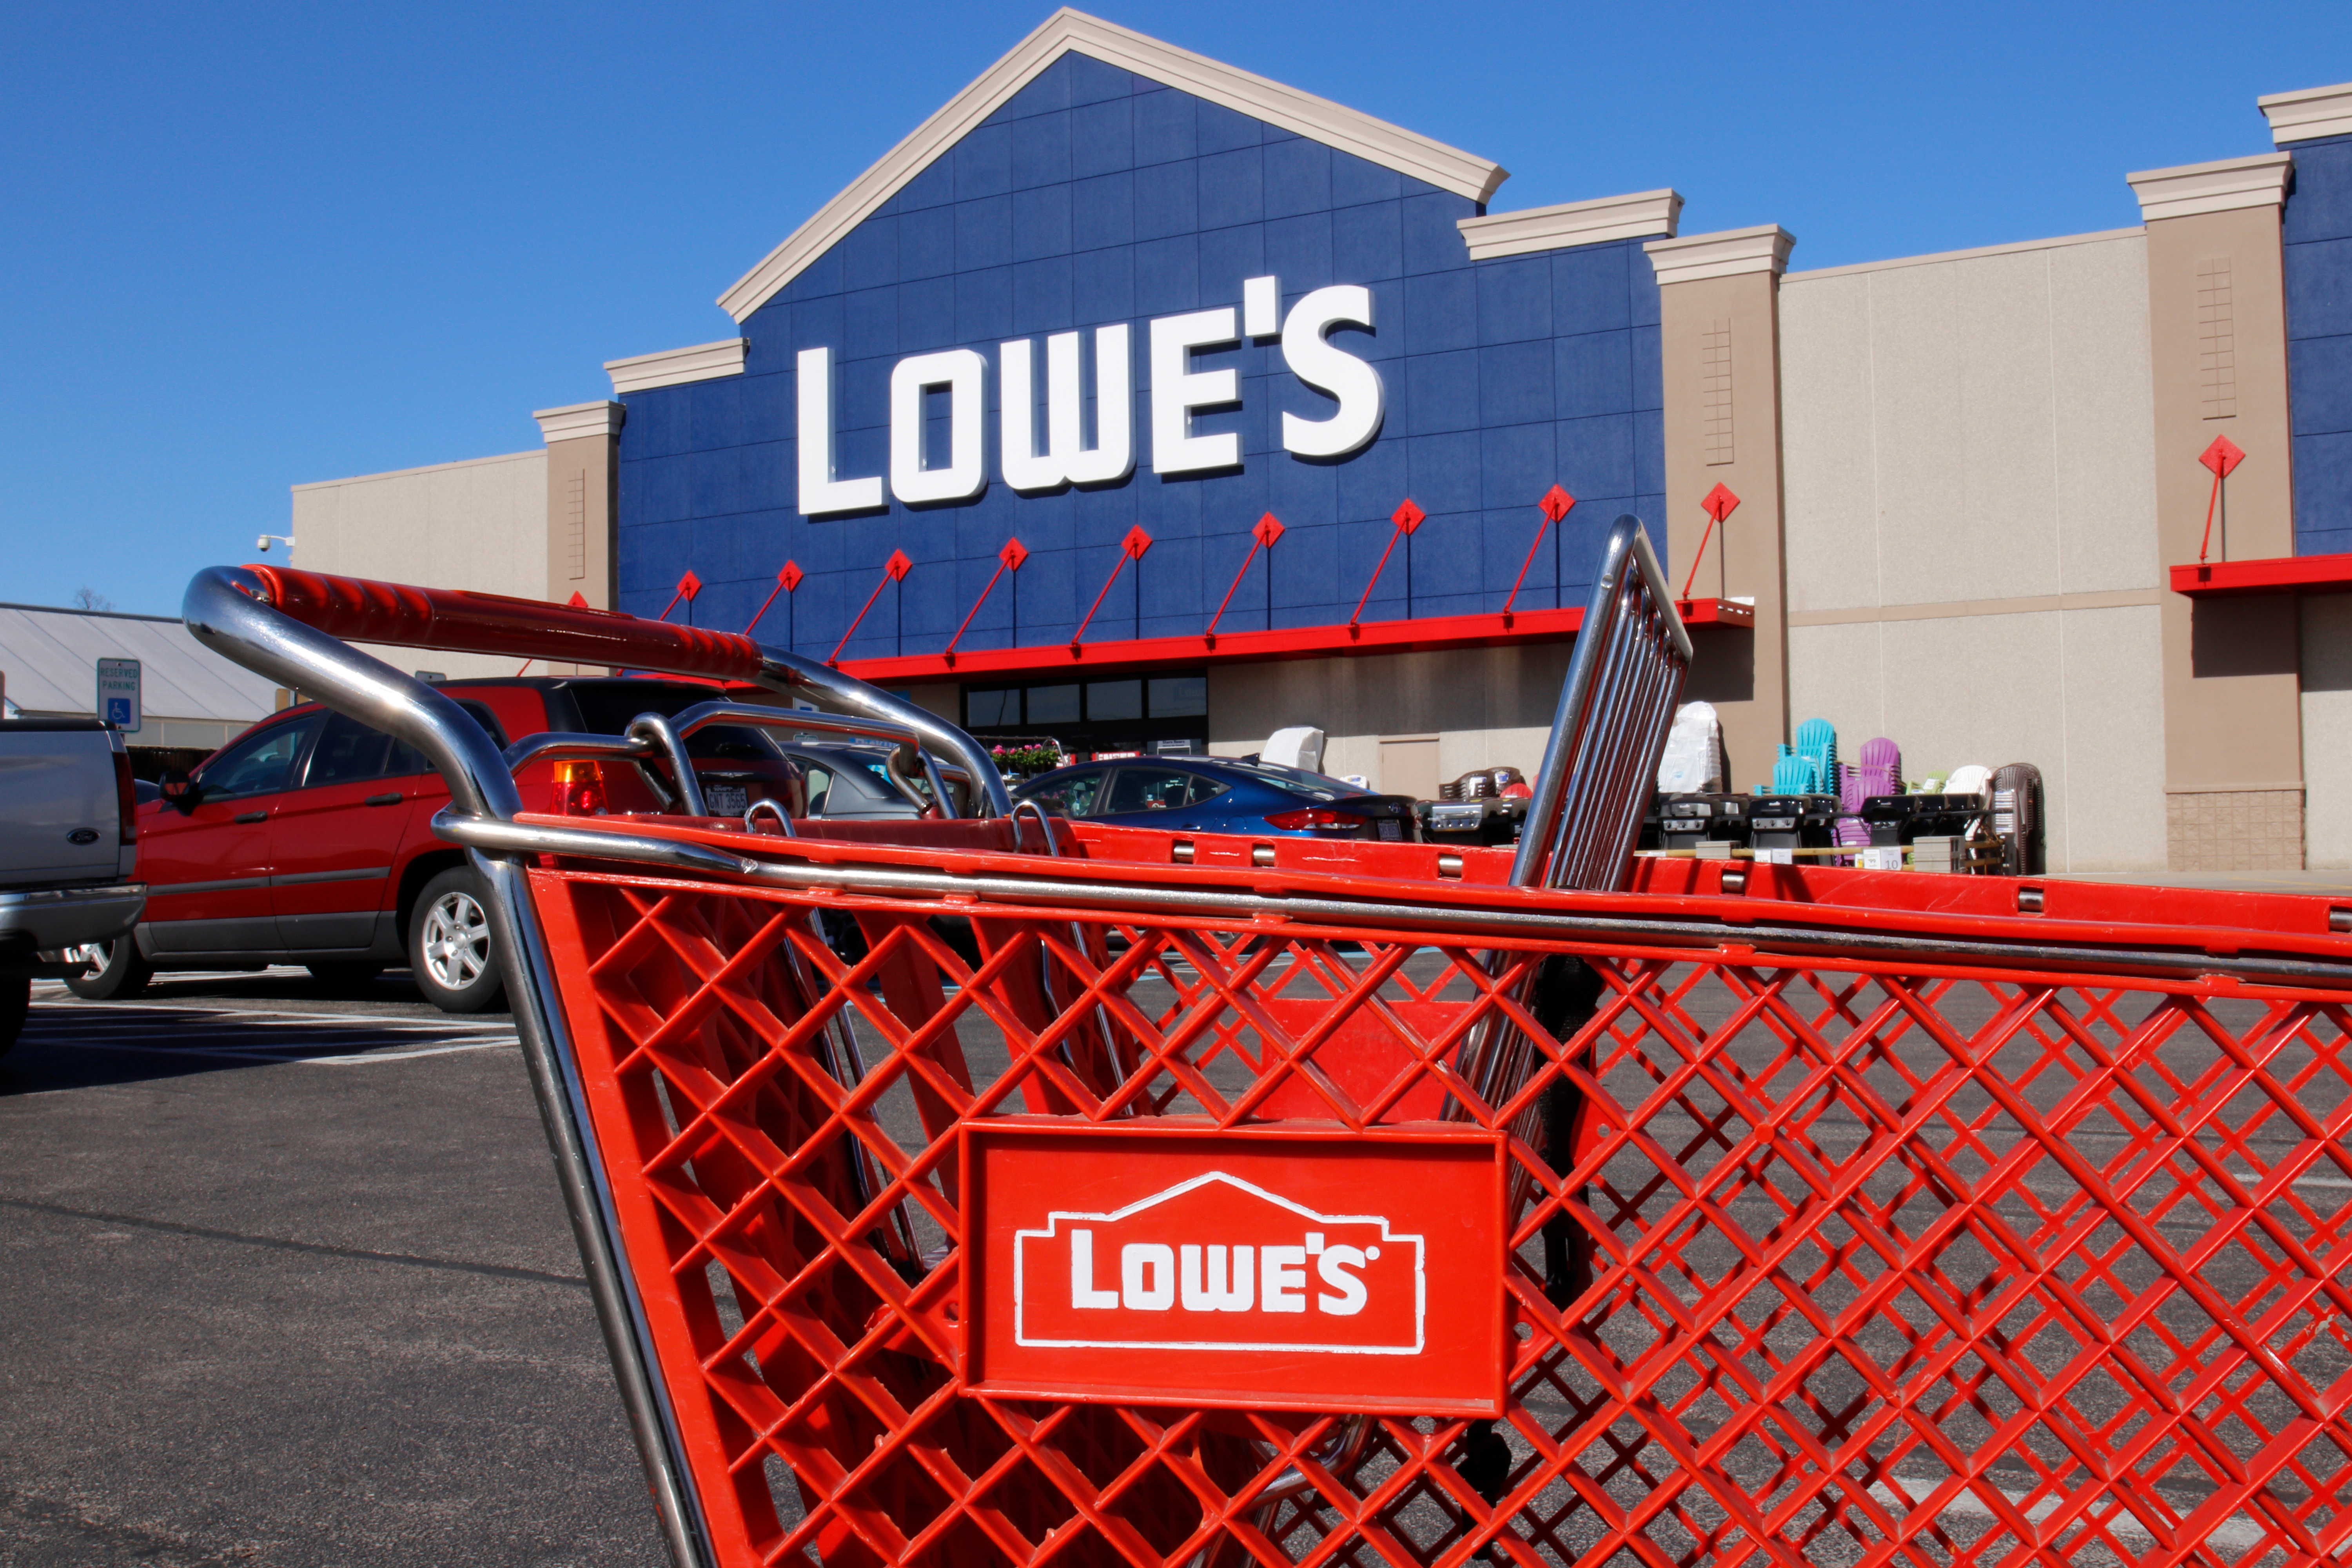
309 839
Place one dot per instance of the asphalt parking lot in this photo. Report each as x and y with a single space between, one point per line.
285 1280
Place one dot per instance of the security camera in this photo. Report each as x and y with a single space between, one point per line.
285 539
262 544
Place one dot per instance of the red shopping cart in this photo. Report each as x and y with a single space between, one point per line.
1142 1198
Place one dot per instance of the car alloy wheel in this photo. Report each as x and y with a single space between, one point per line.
456 940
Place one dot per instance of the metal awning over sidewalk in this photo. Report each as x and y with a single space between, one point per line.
190 696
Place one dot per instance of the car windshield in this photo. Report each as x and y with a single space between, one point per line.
1321 786
606 707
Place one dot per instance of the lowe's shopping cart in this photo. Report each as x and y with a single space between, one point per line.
1147 1198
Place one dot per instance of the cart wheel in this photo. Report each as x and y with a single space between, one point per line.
450 945
116 971
16 1000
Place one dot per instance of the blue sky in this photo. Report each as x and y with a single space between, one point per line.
250 246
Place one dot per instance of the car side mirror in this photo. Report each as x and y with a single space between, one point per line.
181 790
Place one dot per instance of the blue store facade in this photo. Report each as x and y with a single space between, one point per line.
1097 197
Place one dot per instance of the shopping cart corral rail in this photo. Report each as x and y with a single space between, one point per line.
1790 923
1133 1197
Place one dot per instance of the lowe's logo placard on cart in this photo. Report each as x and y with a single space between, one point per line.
118 694
1238 1268
1112 304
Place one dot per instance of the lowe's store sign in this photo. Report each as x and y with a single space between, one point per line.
1114 304
1068 457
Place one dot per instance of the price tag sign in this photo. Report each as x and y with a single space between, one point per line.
118 694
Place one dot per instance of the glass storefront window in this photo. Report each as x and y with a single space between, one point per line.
1053 705
1114 699
1154 715
993 707
1179 697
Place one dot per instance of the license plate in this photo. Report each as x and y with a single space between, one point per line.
725 800
1390 828
1457 818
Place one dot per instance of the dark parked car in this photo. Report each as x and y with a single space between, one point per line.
308 839
1216 794
851 783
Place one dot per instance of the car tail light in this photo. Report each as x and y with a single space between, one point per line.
1310 817
579 789
126 800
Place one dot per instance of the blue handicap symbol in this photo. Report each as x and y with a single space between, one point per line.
118 710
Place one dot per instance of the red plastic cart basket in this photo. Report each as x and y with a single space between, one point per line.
1146 1199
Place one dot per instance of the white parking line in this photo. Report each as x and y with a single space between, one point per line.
355 1059
2237 1531
364 1058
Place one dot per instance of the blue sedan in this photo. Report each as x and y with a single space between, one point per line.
1220 794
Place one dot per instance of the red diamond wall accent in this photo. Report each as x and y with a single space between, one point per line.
1554 504
897 566
1719 502
1136 543
1014 554
1268 530
791 575
2222 455
690 585
1408 516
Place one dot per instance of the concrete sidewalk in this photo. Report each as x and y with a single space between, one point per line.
2322 884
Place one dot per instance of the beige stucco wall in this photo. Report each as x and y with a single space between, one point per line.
1971 543
480 524
1485 706
2071 691
2327 731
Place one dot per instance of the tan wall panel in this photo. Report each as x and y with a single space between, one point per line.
2111 810
480 525
2066 690
2327 730
1829 447
1488 707
2232 710
2103 408
1744 675
1967 429
944 699
581 531
1837 673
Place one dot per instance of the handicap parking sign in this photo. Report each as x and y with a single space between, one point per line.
118 693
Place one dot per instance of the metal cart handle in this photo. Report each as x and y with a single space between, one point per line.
460 621
236 615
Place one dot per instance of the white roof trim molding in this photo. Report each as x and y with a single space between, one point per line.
671 367
1336 125
574 420
2309 112
1725 254
2224 185
1636 216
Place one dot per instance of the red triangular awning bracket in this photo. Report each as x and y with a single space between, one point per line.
1263 533
1407 517
1008 558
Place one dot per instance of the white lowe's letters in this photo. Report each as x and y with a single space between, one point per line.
1066 459
1314 361
821 495
964 374
1177 390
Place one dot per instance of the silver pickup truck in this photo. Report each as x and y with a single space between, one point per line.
68 851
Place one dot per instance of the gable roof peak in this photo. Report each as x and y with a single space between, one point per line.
1066 31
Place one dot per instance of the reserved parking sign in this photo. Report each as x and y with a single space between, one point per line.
118 694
